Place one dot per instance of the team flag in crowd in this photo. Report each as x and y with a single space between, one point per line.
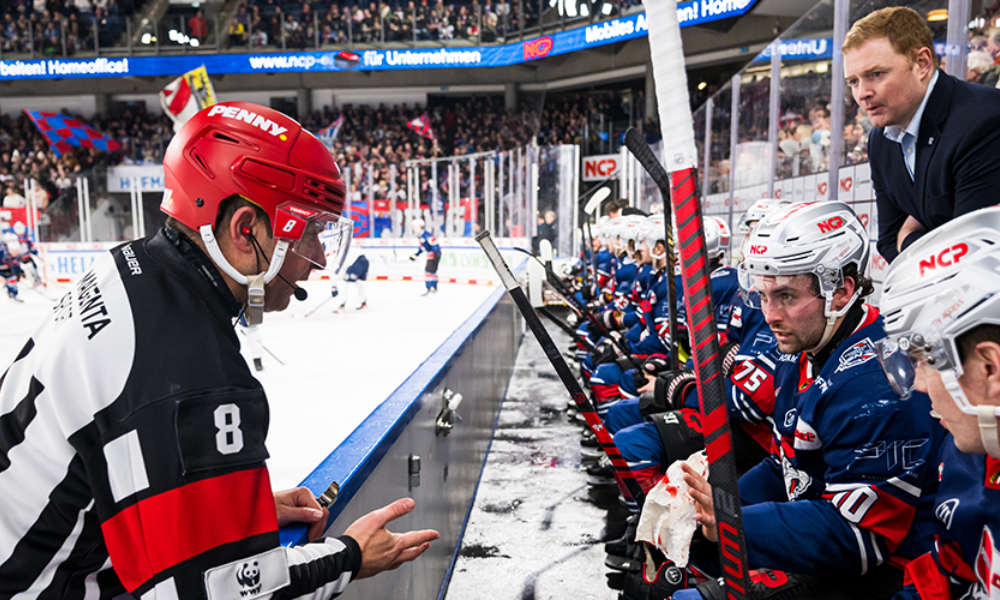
422 125
328 135
187 95
65 133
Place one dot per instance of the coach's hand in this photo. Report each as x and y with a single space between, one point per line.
382 550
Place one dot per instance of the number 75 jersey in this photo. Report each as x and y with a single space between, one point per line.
132 446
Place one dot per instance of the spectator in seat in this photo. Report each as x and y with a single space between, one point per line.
198 26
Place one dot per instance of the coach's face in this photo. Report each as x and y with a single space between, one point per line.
888 86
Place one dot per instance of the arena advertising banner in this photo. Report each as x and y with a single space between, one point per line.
693 12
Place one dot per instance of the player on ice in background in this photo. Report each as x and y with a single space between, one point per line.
28 255
941 303
134 454
428 244
355 275
846 495
10 264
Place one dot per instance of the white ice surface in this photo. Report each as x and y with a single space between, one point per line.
337 368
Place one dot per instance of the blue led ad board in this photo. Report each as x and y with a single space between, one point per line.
694 12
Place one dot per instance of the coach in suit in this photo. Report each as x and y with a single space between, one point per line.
935 148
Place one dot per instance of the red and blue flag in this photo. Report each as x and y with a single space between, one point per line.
65 133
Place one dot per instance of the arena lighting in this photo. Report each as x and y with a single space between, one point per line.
939 14
195 43
702 86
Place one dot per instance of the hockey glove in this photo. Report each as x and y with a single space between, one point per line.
606 352
611 319
668 392
656 364
413 257
729 351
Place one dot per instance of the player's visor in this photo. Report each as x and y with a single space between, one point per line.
322 238
900 367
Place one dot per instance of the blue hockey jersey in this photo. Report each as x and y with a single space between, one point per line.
965 559
429 244
852 475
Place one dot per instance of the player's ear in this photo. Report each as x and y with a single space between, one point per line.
844 293
987 355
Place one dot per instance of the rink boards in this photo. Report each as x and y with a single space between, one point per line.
399 451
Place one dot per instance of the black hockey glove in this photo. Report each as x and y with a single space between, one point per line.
668 392
656 364
729 351
611 319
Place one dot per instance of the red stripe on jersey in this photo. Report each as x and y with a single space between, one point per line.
951 560
164 530
604 392
760 434
929 580
887 516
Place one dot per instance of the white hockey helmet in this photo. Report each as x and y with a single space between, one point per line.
416 224
651 231
608 232
717 236
759 210
944 285
20 228
807 238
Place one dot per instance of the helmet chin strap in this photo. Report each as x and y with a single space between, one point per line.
255 283
986 414
831 320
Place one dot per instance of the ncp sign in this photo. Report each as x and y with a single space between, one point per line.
598 168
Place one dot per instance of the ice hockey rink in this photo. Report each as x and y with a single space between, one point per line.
324 373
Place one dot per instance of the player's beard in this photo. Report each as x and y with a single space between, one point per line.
805 336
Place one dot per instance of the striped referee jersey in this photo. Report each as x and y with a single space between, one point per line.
132 454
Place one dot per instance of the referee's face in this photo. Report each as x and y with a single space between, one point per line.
887 85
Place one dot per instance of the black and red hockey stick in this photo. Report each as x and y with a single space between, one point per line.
631 490
677 126
644 154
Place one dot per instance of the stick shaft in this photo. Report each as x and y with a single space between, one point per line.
711 387
644 154
631 488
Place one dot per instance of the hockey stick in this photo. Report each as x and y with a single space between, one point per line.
589 209
318 306
630 487
266 349
582 310
569 330
677 126
644 154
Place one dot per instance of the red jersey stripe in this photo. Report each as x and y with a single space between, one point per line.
169 528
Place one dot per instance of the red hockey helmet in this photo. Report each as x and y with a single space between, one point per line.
256 152
238 148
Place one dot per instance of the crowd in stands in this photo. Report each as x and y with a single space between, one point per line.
62 27
302 25
25 154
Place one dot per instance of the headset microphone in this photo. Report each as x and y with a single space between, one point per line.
299 293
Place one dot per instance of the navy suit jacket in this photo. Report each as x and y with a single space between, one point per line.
957 167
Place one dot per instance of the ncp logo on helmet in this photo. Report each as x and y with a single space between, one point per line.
799 240
941 299
754 214
242 150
